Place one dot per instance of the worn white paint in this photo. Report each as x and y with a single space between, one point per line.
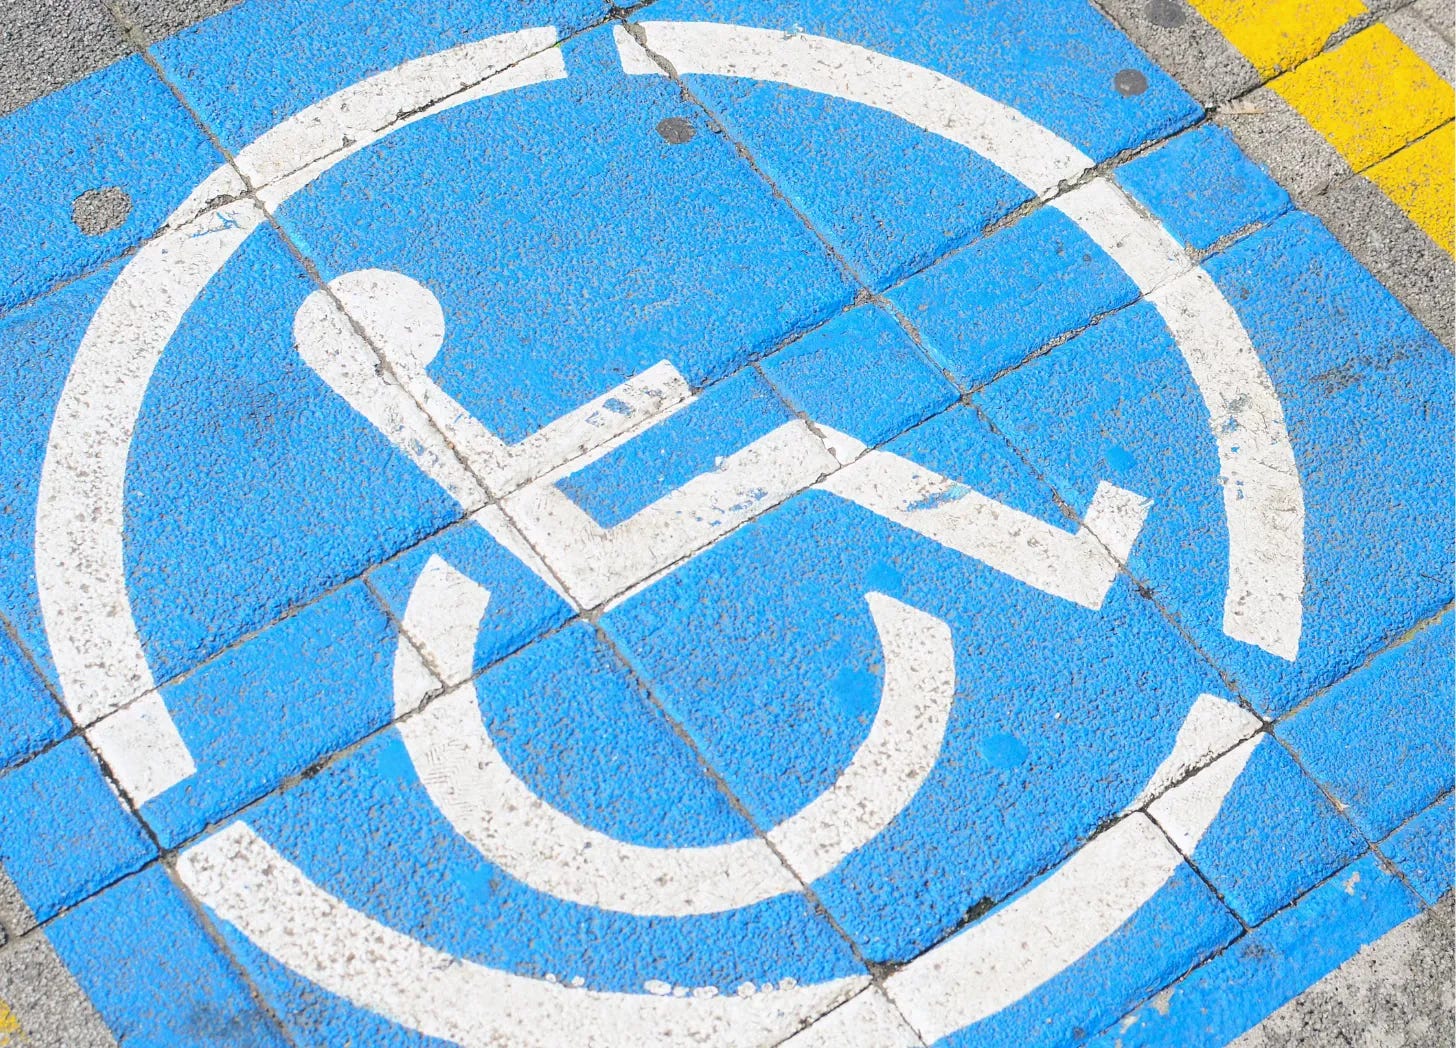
413 679
247 883
145 751
404 322
1187 810
79 562
514 828
81 577
597 563
1263 499
405 325
868 1020
1018 947
442 619
328 343
1213 726
1074 566
1140 246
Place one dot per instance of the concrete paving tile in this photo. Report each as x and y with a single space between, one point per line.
893 199
741 409
15 917
41 1006
1173 932
1396 991
261 61
1414 178
1352 369
860 374
154 20
64 832
1380 741
780 711
1187 46
990 306
1280 37
39 341
314 683
1273 133
1202 187
154 972
1438 16
1232 992
1368 95
630 246
89 172
1405 259
1423 851
1260 860
30 717
1424 37
500 638
49 45
560 724
520 606
868 1014
231 408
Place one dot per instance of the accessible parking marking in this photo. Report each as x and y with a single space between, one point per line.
725 524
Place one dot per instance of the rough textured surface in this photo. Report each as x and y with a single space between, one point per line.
1278 138
1397 992
154 20
1182 41
40 1004
99 211
672 458
47 45
15 916
1238 987
1419 273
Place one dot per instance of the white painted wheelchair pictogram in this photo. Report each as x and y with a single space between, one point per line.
374 353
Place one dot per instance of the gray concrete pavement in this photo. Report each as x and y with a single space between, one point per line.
1395 993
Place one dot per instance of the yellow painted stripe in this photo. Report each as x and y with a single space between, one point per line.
1420 180
10 1031
1279 34
1369 96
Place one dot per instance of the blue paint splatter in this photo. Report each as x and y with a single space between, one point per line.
1003 751
940 498
1120 459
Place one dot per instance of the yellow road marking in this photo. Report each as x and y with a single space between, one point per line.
10 1031
1372 97
1280 34
1420 180
1369 96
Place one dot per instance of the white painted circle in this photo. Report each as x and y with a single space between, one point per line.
106 681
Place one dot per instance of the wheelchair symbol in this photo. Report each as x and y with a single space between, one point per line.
371 334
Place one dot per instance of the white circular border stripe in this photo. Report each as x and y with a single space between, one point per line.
108 688
1263 500
79 565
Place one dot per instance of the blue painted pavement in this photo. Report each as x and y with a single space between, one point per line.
871 619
